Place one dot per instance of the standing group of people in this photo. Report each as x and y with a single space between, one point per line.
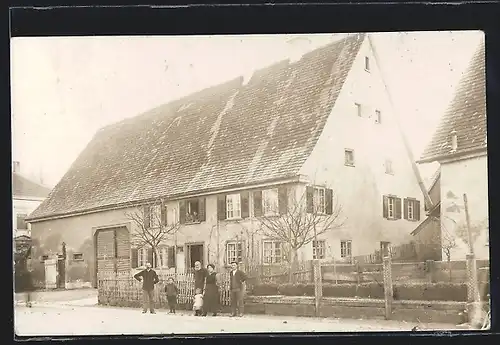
206 299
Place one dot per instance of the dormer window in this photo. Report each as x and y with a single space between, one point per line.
454 141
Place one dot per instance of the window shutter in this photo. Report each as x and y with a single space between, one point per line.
417 210
310 199
134 258
163 214
405 208
171 256
202 210
147 216
221 207
150 256
282 200
245 204
385 202
397 206
257 203
329 201
182 211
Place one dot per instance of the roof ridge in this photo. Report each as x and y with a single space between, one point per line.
31 180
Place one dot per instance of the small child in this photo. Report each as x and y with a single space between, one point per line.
198 303
172 291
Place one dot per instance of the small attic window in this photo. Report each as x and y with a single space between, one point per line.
454 141
367 64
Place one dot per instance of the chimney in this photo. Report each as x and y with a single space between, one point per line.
298 46
454 141
16 167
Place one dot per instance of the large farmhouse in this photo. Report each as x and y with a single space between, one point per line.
317 132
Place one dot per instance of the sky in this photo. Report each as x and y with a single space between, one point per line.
65 88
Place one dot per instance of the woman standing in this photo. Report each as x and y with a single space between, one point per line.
211 299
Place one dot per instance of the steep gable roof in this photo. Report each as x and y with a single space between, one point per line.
466 115
24 187
229 135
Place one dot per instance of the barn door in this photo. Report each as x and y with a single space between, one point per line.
113 251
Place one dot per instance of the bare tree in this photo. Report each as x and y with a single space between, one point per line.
151 226
448 243
300 220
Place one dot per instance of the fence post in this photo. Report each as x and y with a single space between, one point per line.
429 265
388 289
311 268
318 286
473 308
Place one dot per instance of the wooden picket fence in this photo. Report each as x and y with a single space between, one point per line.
123 290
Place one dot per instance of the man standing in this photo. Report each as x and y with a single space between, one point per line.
149 279
200 276
237 285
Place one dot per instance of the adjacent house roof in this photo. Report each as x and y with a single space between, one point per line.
466 115
225 136
24 187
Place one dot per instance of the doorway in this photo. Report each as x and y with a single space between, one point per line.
195 253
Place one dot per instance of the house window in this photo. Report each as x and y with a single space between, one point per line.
233 206
367 64
270 202
388 167
378 116
192 211
152 216
391 207
142 257
163 257
412 209
45 257
319 249
345 249
234 252
272 252
21 224
349 157
358 109
319 200
77 257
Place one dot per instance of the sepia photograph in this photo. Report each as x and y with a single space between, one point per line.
220 184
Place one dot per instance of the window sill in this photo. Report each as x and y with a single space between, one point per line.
349 165
234 219
192 223
367 70
391 219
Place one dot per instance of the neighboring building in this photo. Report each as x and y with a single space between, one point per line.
427 235
315 130
460 146
27 195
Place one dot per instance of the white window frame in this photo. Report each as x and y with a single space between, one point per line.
233 206
349 162
321 249
388 167
234 251
272 258
410 206
142 257
346 249
154 216
163 257
319 200
391 207
270 202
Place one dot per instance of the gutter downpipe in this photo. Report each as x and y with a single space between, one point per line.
425 193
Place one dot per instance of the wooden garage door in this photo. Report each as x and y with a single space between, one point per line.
113 251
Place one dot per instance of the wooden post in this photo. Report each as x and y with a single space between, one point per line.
388 289
318 286
430 271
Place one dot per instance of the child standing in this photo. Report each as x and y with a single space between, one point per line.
198 303
172 291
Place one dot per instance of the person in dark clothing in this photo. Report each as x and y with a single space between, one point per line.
237 287
149 279
200 276
172 291
211 300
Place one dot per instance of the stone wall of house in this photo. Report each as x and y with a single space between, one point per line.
360 188
468 176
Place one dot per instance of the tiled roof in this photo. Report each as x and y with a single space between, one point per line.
466 115
22 186
227 135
